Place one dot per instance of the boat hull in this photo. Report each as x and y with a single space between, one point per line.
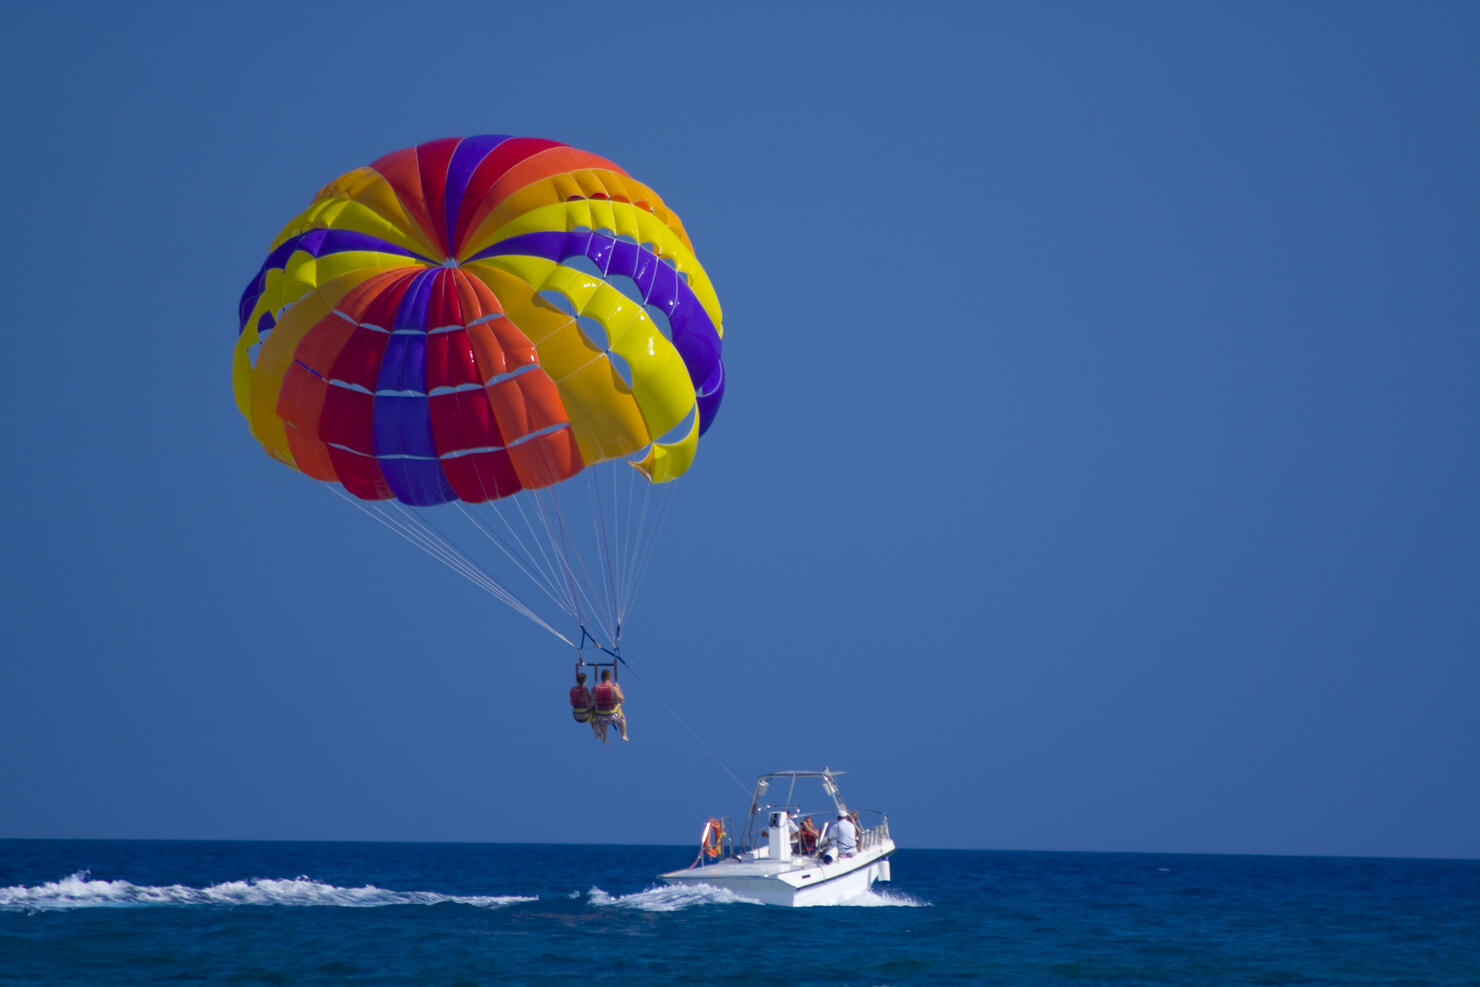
798 883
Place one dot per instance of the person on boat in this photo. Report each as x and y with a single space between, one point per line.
793 833
583 705
608 696
807 837
845 835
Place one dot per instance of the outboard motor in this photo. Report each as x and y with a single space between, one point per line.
779 831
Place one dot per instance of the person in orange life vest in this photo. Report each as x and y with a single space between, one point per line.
583 705
609 698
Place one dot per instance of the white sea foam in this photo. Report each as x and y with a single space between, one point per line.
81 891
669 898
884 899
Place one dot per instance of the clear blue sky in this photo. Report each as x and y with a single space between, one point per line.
1097 471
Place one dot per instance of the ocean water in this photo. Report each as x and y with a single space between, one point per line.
147 912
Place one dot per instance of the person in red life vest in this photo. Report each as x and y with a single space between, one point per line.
807 838
608 696
583 705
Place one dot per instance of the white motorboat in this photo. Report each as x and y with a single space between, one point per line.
779 861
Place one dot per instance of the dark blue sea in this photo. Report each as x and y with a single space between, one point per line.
145 912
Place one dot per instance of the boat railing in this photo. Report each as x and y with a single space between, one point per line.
875 835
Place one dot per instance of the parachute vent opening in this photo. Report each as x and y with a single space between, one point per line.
627 287
584 264
660 319
621 368
265 326
528 368
630 289
595 332
557 301
681 430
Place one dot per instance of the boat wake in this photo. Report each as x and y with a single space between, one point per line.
883 899
80 891
669 898
672 898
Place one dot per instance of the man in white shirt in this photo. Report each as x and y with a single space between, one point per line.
845 835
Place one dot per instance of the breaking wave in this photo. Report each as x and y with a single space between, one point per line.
81 891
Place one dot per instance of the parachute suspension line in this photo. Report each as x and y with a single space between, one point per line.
429 539
434 543
629 537
528 555
605 545
521 504
552 521
644 524
697 739
526 560
538 544
573 564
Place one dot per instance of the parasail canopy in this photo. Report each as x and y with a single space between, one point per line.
473 318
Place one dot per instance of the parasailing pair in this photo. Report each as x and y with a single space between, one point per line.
505 336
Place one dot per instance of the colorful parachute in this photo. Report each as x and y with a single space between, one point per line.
475 317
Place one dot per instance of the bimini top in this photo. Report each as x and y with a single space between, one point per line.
770 796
